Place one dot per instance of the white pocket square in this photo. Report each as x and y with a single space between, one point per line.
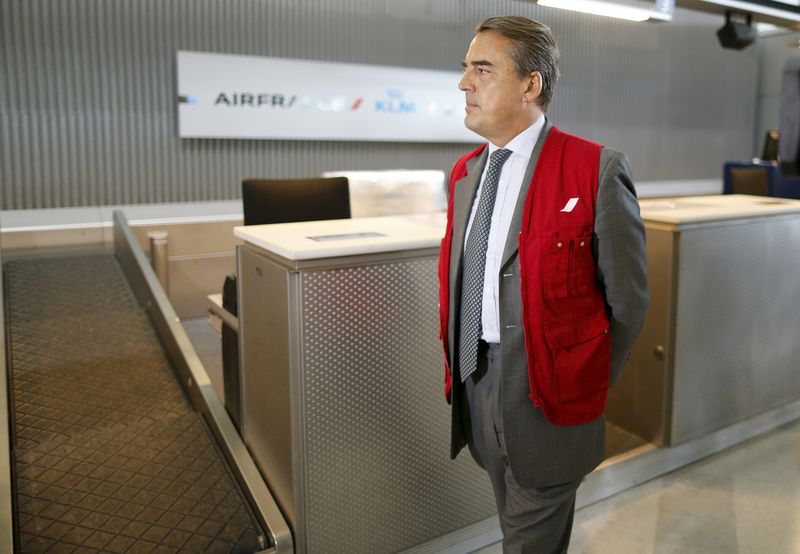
570 205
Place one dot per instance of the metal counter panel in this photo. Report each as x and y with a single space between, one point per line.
640 401
738 321
343 401
378 477
266 392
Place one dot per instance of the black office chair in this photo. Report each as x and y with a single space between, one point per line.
289 200
275 201
749 178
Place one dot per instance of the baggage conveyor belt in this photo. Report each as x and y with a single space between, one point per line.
108 454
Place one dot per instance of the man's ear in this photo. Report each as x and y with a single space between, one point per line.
534 88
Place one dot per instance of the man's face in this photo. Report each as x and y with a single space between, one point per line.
499 104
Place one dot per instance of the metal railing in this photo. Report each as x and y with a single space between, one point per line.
6 478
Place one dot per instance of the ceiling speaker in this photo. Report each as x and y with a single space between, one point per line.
737 33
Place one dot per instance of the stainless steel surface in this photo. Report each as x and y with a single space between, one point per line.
369 427
215 308
201 254
720 342
196 383
159 256
85 140
737 324
194 236
27 239
193 278
378 478
6 512
346 261
640 401
267 395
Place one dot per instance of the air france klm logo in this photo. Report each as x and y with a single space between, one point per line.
394 103
285 101
255 100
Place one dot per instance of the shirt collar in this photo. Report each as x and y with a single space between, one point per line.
524 142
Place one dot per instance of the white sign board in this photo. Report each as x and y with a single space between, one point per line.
227 96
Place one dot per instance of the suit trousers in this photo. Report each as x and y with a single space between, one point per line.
533 520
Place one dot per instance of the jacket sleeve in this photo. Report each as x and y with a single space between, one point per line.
619 249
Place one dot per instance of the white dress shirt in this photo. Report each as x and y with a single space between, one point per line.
508 189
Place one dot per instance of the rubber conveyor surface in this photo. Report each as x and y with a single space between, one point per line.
109 455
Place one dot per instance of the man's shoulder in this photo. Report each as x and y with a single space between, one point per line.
566 136
607 153
612 158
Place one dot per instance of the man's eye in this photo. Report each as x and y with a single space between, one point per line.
482 71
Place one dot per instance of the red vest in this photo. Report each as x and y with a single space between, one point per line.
567 342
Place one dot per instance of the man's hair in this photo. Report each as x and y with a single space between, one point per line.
533 49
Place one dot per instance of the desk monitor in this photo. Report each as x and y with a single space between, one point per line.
289 200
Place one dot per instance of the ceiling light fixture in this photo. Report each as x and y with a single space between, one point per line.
606 9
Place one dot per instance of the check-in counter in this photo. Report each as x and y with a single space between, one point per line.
342 383
342 378
721 341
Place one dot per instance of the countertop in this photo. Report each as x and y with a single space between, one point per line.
368 235
310 240
705 209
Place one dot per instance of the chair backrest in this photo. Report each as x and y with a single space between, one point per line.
289 200
746 178
750 180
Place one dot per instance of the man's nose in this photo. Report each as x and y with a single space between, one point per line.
464 83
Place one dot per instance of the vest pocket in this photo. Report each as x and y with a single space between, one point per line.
555 267
581 354
581 265
567 264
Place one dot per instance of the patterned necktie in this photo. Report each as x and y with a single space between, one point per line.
475 266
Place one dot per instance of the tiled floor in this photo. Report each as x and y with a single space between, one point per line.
745 500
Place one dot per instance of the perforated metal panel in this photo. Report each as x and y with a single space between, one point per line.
737 350
378 477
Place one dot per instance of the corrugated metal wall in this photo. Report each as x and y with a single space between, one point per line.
88 92
773 53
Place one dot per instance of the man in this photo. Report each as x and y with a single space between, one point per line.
542 287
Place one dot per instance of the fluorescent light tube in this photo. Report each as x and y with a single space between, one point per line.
605 9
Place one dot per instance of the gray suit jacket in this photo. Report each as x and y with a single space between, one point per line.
539 452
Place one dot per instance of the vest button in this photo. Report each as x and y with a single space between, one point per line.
558 245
